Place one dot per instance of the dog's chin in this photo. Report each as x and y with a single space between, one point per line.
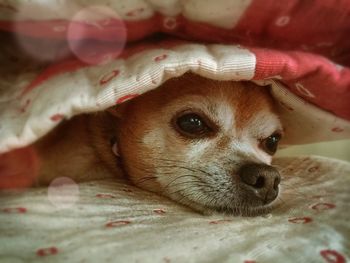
246 210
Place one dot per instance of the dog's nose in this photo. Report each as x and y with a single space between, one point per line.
260 180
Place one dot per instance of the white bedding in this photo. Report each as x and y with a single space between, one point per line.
115 222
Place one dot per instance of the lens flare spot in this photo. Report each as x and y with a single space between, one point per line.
92 25
63 193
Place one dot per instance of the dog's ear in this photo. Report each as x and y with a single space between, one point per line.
118 110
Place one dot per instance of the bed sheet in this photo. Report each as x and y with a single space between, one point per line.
111 221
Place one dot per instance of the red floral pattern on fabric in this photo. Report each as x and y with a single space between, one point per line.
337 129
323 206
118 223
300 220
15 210
220 221
42 252
57 117
332 256
105 196
160 57
108 77
125 98
159 211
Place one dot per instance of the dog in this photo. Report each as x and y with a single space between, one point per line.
206 144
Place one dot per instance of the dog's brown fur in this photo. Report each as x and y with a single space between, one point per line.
80 148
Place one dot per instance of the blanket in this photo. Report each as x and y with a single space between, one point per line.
97 64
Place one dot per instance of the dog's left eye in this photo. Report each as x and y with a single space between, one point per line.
192 125
270 144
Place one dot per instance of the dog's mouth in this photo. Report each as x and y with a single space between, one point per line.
246 208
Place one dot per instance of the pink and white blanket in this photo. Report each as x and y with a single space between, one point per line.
300 48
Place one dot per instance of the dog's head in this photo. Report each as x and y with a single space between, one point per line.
204 143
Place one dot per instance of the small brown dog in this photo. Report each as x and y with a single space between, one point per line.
204 143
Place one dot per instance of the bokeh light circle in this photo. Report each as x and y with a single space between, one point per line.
63 192
96 34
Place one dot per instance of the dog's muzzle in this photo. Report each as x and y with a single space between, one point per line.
259 182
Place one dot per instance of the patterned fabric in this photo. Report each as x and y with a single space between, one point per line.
70 88
110 221
275 49
300 48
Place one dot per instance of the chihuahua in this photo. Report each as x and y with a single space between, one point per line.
206 144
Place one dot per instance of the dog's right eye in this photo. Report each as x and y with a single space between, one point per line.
192 125
270 144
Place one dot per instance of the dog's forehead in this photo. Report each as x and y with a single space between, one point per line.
234 106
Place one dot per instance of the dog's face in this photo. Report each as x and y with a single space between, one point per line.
204 143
